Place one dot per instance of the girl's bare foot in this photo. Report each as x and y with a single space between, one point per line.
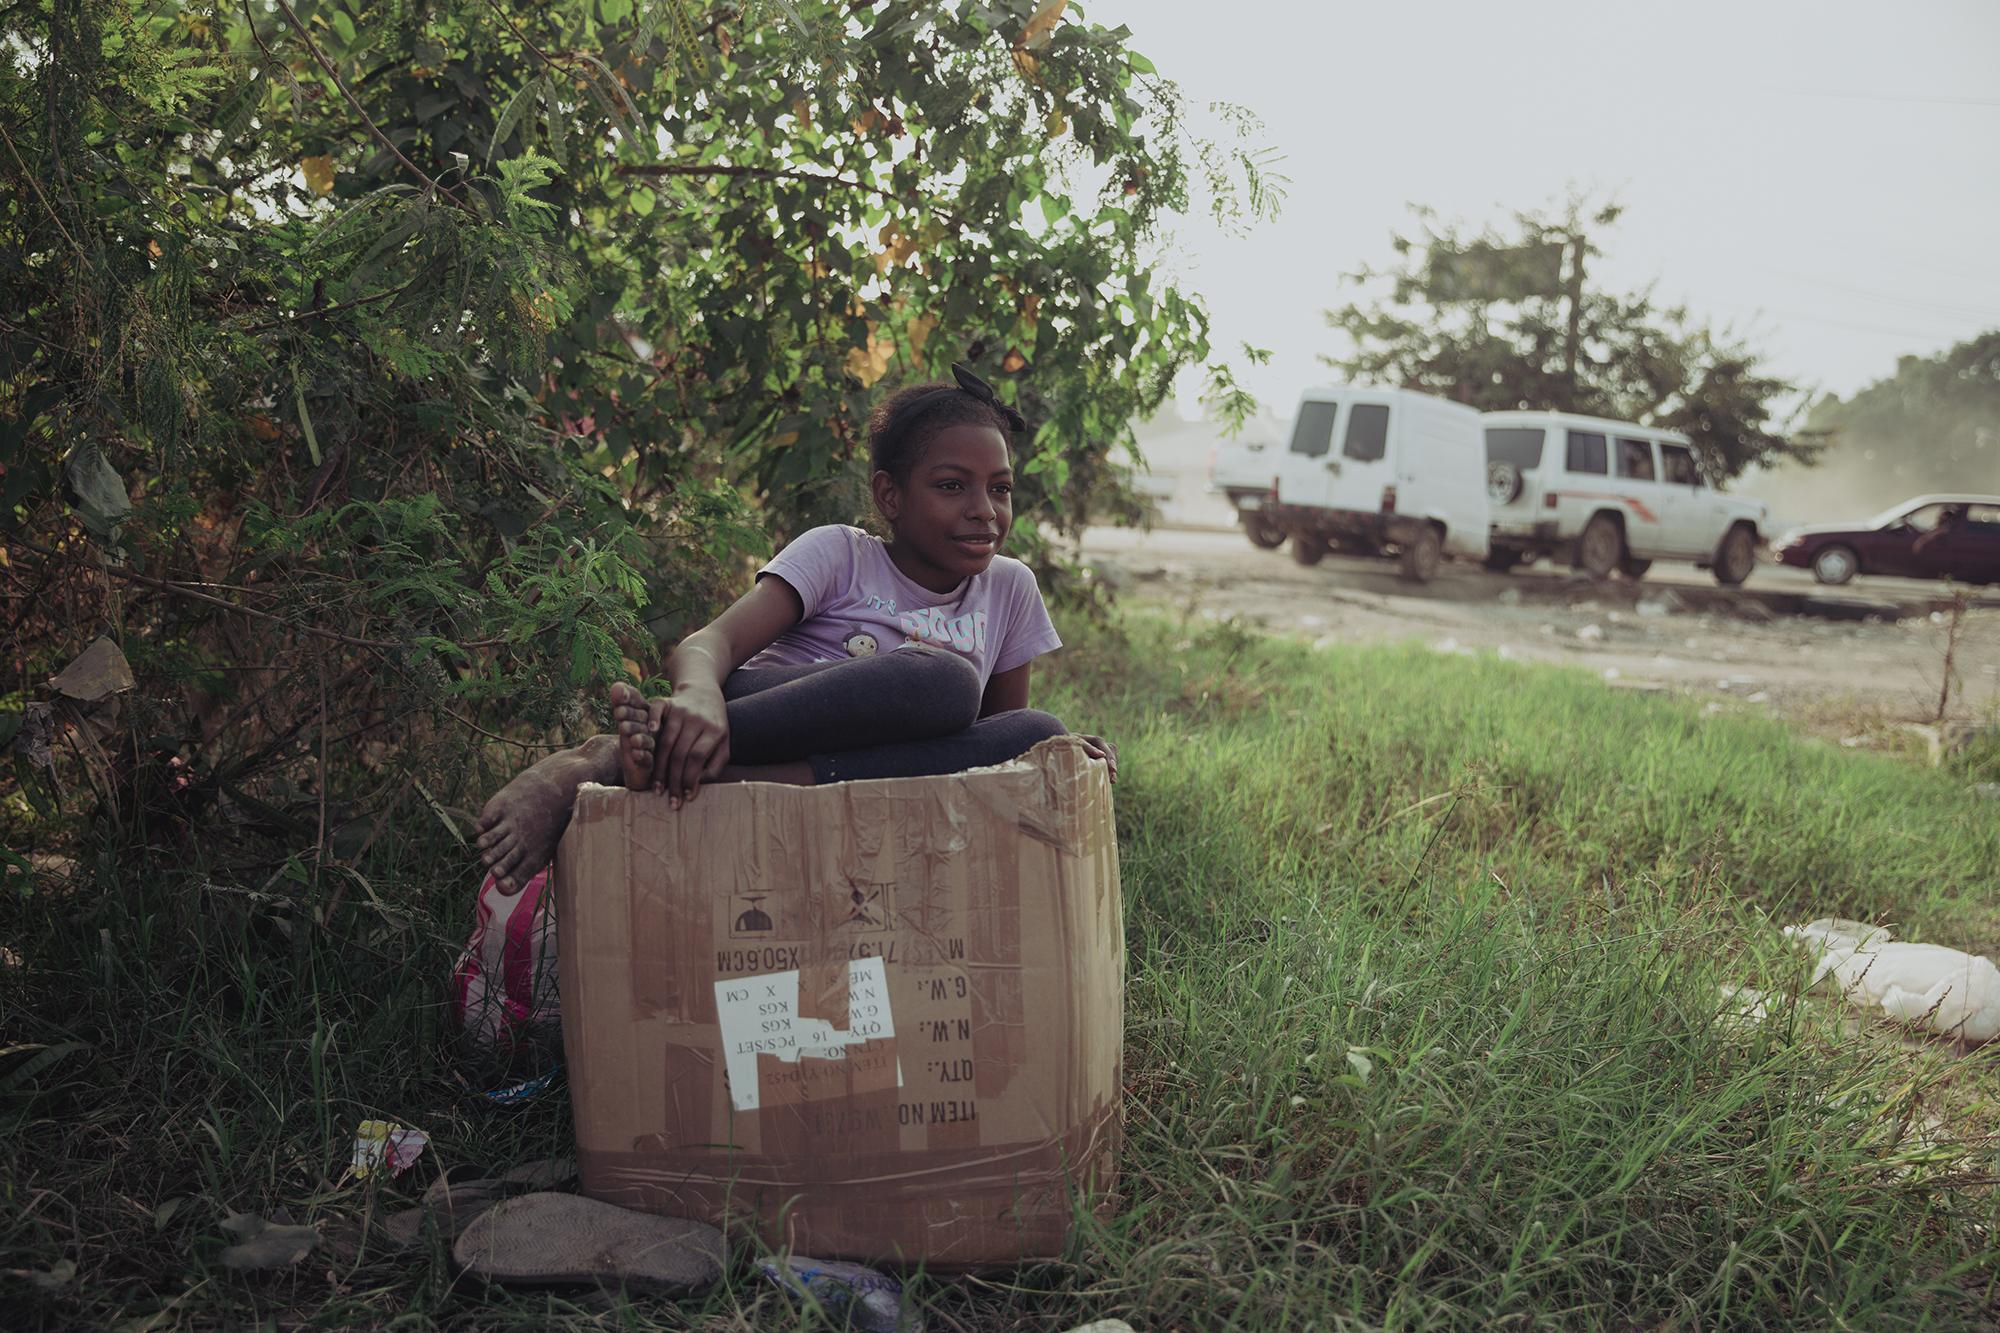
520 826
638 724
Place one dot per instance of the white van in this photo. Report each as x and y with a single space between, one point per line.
1384 472
1609 495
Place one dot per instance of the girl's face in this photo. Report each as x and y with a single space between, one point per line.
950 517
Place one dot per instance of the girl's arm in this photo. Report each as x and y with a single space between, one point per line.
693 740
1005 691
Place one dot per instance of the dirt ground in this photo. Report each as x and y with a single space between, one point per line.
1853 663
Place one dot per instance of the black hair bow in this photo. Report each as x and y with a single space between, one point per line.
983 391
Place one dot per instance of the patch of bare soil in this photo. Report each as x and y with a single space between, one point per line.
1861 664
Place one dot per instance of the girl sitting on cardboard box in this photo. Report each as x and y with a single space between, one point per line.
850 657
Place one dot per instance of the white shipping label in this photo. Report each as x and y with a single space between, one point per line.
759 1015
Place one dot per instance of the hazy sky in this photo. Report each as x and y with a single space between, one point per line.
1825 177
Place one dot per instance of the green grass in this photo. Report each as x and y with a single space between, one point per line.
1422 1031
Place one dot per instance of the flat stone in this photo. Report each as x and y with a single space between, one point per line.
452 1212
465 1192
554 1173
541 1240
261 1244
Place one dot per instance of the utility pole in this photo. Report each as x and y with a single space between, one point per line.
1574 338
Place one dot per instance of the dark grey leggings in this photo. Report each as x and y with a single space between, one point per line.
908 713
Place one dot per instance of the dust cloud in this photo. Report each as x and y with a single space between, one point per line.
1864 472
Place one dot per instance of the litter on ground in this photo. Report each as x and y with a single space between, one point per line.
380 1143
1744 1006
1930 986
851 1293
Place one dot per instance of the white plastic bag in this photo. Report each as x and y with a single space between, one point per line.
1947 991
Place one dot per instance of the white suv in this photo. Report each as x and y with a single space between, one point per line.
1609 495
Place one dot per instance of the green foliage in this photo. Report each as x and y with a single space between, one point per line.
1227 401
1932 426
406 367
1505 318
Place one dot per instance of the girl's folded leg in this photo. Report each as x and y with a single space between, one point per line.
991 740
915 693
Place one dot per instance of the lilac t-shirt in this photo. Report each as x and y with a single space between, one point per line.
858 603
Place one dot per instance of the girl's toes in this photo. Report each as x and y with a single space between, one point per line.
636 760
521 868
627 704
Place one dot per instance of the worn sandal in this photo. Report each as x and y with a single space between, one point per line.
565 1239
463 1193
452 1204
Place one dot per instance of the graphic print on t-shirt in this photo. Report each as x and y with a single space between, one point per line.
850 592
966 633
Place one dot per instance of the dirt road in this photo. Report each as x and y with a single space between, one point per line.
1848 664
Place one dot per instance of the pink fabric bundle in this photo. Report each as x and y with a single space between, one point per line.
504 995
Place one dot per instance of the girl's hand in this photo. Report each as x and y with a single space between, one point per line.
1099 748
693 744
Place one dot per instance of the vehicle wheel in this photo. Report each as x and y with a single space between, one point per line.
1421 555
1308 549
1836 565
1735 558
1600 548
1633 568
1503 483
1263 531
1500 559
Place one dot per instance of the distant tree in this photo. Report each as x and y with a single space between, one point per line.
1505 318
1934 425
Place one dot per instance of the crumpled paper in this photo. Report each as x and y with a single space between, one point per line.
379 1143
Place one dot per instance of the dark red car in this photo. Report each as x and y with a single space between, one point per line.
1930 537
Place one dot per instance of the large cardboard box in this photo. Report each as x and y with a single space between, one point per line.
881 1020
